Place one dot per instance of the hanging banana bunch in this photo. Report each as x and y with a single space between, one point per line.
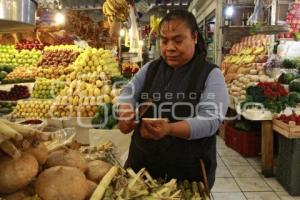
115 10
154 23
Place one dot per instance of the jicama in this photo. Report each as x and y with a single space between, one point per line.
9 148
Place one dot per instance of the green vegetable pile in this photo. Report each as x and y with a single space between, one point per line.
294 86
291 63
272 96
286 78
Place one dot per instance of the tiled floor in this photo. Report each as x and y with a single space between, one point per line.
238 178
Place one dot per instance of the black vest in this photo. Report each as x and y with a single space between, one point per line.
173 157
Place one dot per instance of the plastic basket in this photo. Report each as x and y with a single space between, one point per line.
248 144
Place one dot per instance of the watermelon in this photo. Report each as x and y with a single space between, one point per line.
295 85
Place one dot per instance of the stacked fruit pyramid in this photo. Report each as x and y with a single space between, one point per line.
22 64
47 88
32 109
7 53
88 86
244 66
69 81
56 60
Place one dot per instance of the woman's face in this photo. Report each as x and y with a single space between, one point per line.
177 43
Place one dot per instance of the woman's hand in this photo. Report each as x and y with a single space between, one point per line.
155 130
126 118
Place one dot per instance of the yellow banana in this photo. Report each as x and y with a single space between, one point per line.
107 9
111 8
104 9
115 4
123 4
110 20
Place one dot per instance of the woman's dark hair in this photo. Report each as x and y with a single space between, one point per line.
191 22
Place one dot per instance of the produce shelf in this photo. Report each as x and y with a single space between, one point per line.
272 29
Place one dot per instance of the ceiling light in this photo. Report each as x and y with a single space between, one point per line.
59 18
229 11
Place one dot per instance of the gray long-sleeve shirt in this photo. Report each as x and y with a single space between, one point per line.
213 103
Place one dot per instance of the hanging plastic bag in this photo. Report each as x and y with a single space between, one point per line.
142 6
134 33
258 15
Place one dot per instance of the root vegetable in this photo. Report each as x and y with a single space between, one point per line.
66 157
9 148
39 151
15 174
61 183
91 188
20 195
96 170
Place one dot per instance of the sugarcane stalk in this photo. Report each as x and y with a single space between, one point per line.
196 193
106 180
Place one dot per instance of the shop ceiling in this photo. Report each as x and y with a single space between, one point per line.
169 3
172 4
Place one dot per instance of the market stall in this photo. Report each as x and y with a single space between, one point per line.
262 75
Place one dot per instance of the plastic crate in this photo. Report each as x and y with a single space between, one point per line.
248 144
288 164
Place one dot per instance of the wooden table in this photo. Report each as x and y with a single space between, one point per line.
267 148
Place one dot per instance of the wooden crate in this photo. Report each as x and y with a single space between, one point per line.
290 130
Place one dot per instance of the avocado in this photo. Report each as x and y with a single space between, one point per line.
8 69
3 74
